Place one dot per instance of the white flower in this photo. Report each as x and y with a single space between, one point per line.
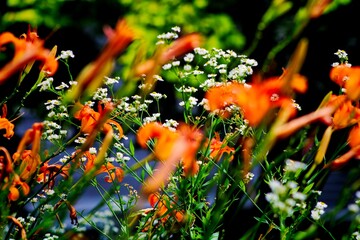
189 57
318 210
193 101
46 84
176 63
176 29
156 96
62 86
167 66
187 67
201 51
294 166
111 81
66 54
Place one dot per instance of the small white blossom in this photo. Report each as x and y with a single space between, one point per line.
66 54
201 51
100 94
62 86
294 166
318 210
168 36
111 81
158 78
176 29
187 67
156 96
46 84
167 66
176 63
189 57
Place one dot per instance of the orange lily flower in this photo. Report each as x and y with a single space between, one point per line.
112 171
346 115
354 152
6 124
349 77
71 208
19 225
90 118
159 203
27 49
170 148
317 7
14 193
47 172
164 139
218 148
92 76
30 158
255 100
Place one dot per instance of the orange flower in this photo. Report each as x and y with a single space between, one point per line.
6 124
339 74
92 76
112 171
317 7
218 148
90 118
47 173
14 193
348 77
160 205
71 208
170 148
257 99
30 160
354 152
346 115
28 48
19 225
165 139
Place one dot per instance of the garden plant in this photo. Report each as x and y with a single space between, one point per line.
224 152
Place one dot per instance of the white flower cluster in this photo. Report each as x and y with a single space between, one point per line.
343 57
318 210
169 35
285 199
355 207
53 131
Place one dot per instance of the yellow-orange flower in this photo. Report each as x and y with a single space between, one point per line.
257 99
346 115
30 159
170 148
349 78
48 172
92 76
354 152
218 148
14 193
90 118
159 203
6 124
28 48
112 171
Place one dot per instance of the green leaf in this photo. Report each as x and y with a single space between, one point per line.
308 188
131 148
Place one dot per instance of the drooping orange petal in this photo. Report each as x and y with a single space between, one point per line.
25 53
92 75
